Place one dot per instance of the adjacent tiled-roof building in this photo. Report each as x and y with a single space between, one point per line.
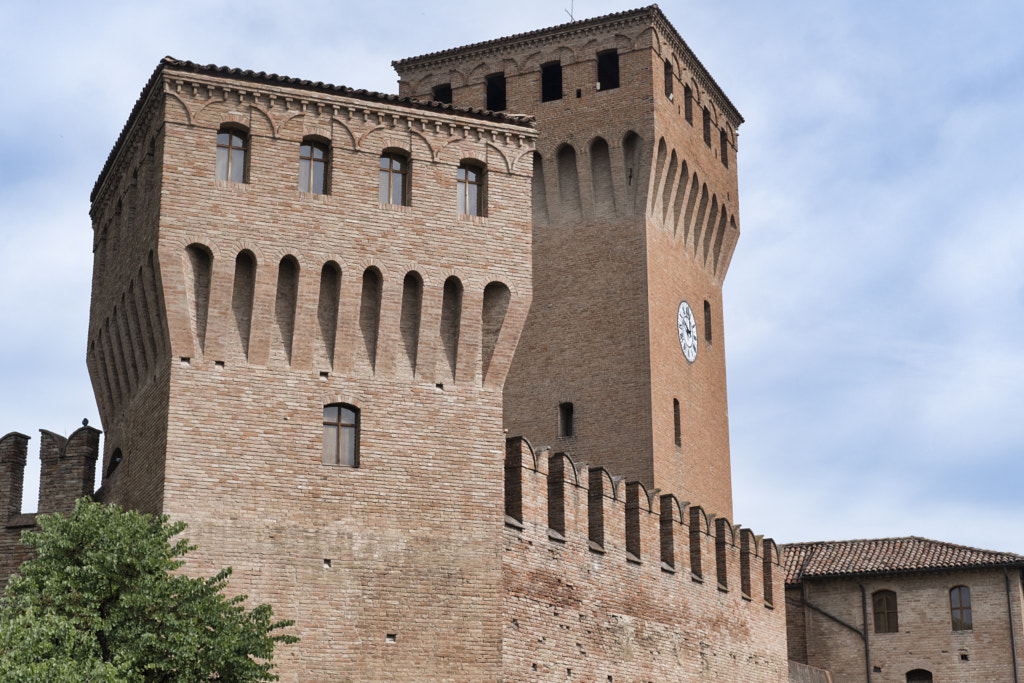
904 609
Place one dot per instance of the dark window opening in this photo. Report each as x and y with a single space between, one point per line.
676 422
669 79
496 92
886 619
470 183
919 676
394 179
341 435
608 69
115 460
688 103
232 146
707 322
707 127
551 82
313 167
960 608
566 426
443 93
723 141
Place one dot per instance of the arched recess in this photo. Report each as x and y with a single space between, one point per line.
705 236
540 194
919 676
631 158
242 294
690 204
327 314
369 313
569 184
412 306
496 300
702 209
719 235
284 309
670 179
451 322
601 175
677 211
198 268
659 167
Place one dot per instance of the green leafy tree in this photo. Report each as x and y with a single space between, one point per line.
101 603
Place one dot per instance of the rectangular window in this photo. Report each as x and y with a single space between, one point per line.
608 69
723 140
443 93
707 322
496 92
341 435
676 422
469 182
565 420
551 82
394 185
312 167
688 103
669 79
707 127
231 148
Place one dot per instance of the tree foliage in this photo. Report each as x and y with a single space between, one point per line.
101 602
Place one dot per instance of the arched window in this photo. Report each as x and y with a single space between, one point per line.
341 435
960 608
232 148
471 190
394 179
688 103
707 322
707 127
313 165
669 78
884 604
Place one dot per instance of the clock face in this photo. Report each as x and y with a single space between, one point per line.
687 327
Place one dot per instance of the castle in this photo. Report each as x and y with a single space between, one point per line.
440 375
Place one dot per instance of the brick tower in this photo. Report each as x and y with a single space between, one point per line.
634 213
305 302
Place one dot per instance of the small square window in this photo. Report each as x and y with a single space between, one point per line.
443 93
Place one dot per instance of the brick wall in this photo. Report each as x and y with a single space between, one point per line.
925 639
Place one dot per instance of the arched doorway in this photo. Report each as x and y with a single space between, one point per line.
919 676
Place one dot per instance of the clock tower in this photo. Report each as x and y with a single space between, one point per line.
621 363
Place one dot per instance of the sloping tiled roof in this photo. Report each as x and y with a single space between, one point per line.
905 555
264 78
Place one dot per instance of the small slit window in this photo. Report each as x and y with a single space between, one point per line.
551 81
669 79
608 69
341 435
394 179
470 182
443 93
676 423
960 608
707 127
688 103
496 92
707 322
313 159
232 148
566 426
723 142
886 617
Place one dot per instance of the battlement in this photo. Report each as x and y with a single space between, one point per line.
67 474
604 577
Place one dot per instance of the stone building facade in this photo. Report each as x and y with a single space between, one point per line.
905 610
317 312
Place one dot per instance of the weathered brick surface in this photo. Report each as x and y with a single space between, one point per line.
925 639
66 475
579 609
215 342
617 246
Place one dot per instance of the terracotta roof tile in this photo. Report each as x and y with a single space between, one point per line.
908 554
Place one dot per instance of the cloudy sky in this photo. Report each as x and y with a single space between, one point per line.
874 306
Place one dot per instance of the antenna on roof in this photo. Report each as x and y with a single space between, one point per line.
570 10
